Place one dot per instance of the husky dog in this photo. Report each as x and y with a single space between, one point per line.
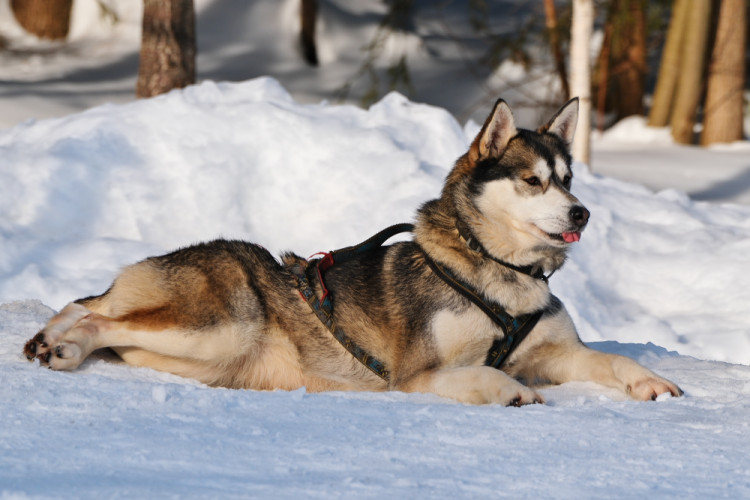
227 313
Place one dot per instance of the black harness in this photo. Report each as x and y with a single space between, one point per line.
323 307
515 329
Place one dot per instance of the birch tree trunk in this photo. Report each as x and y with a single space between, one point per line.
580 75
691 80
167 59
722 115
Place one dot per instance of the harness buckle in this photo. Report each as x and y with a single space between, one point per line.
323 264
326 262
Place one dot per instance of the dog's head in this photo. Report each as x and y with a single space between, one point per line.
515 184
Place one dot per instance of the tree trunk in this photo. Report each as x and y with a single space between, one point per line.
554 41
44 18
602 70
722 112
308 20
580 75
167 58
669 70
629 58
691 74
621 67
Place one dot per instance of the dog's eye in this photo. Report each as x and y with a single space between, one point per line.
566 181
533 181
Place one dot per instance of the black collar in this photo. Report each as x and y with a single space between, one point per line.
535 271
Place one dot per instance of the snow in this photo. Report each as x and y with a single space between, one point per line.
659 275
109 430
634 152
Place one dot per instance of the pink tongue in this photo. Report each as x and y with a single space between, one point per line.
571 237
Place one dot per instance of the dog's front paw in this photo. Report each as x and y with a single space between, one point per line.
506 396
649 388
525 396
477 385
491 386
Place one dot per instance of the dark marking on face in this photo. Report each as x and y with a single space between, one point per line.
521 155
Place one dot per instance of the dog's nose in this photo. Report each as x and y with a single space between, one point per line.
579 215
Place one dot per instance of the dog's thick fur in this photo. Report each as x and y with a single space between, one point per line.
228 314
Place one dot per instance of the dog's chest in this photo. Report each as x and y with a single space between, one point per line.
463 338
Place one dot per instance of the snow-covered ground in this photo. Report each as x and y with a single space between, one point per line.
658 276
110 431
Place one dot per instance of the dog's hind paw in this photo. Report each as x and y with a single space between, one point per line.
61 356
57 344
33 346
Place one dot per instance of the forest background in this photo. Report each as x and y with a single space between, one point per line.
682 62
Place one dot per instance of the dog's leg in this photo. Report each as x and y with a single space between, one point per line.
473 385
76 332
560 363
554 353
618 371
193 305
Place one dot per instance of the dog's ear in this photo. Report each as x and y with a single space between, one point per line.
563 123
495 134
